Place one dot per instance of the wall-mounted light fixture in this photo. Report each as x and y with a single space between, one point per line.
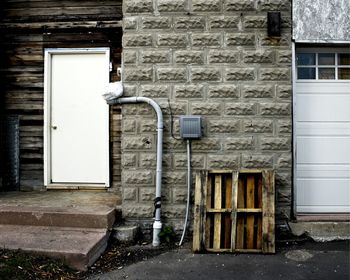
274 24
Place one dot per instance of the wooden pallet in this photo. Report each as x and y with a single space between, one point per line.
234 211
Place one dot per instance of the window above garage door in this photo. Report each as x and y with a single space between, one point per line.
325 65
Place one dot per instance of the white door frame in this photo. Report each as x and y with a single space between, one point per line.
47 116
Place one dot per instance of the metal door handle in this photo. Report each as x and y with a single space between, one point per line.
54 127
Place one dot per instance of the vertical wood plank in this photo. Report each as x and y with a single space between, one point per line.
208 205
217 216
250 218
234 208
204 183
228 204
228 186
209 194
199 211
268 220
218 192
240 220
240 194
196 246
259 217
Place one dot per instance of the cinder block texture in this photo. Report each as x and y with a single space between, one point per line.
211 58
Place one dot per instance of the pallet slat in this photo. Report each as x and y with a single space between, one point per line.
268 221
249 210
200 217
259 222
223 210
217 216
208 219
250 218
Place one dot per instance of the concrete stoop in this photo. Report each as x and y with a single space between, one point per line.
322 231
78 235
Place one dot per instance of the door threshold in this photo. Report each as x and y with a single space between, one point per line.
94 187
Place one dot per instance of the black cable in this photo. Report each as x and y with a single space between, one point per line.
171 123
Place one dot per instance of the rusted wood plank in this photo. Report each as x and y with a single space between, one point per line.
61 25
241 189
234 225
204 189
22 38
62 14
228 206
249 210
268 219
219 250
217 216
250 218
59 4
15 98
89 37
218 192
223 210
240 219
199 211
259 217
31 166
26 155
24 107
208 231
196 245
29 146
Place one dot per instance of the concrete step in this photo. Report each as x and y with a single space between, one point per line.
81 217
79 247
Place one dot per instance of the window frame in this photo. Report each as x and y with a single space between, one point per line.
318 51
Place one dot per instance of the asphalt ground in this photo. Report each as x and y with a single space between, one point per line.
310 260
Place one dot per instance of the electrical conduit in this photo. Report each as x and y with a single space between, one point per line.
188 188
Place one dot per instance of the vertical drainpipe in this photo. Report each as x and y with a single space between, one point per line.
157 225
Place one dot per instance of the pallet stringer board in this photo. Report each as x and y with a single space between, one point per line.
199 211
268 221
234 210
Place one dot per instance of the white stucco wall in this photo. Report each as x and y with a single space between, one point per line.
321 20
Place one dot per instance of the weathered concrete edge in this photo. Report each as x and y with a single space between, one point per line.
322 231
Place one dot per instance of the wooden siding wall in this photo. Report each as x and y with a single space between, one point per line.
26 29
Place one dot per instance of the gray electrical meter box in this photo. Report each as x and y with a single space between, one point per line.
191 127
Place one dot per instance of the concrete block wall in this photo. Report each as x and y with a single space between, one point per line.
211 58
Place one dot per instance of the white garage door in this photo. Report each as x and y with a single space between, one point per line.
322 131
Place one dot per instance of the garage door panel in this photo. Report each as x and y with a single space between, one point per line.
327 191
324 150
323 87
323 128
322 134
325 108
323 171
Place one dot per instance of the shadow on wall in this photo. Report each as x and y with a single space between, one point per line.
2 101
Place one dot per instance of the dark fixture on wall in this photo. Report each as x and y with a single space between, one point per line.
274 24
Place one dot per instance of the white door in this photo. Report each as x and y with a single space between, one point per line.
322 131
76 117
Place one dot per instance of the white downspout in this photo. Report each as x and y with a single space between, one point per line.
157 225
